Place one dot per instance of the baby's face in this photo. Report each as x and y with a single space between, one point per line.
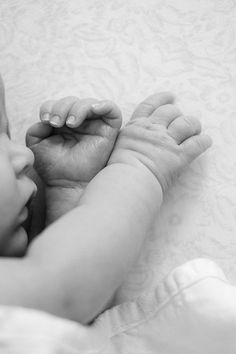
16 190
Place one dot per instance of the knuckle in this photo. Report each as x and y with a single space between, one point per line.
187 121
56 108
86 101
147 104
165 94
169 109
197 124
192 122
75 106
108 102
199 143
63 104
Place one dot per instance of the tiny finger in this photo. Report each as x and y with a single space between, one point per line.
196 145
45 110
60 111
151 103
109 111
165 114
80 111
183 128
37 132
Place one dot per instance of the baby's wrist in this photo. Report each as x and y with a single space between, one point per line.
140 167
142 176
62 199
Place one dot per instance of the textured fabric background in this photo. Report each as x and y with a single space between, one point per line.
125 50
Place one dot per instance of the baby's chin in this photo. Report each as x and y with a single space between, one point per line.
18 243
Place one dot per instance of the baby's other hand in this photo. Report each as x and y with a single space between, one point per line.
159 138
74 139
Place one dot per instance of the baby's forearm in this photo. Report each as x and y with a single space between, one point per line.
75 266
61 200
89 251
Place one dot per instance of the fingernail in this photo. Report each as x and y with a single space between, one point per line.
71 120
45 117
98 105
56 121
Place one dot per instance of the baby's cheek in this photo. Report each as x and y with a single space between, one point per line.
17 243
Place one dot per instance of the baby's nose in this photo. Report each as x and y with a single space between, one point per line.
23 159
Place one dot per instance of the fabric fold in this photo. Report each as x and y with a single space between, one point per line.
192 311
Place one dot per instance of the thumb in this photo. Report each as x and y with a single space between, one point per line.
37 133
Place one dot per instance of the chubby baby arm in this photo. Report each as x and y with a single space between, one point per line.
119 205
73 268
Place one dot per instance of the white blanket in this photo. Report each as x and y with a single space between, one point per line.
193 311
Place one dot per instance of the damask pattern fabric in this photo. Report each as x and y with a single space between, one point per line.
125 50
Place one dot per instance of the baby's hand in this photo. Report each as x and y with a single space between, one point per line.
159 138
74 140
